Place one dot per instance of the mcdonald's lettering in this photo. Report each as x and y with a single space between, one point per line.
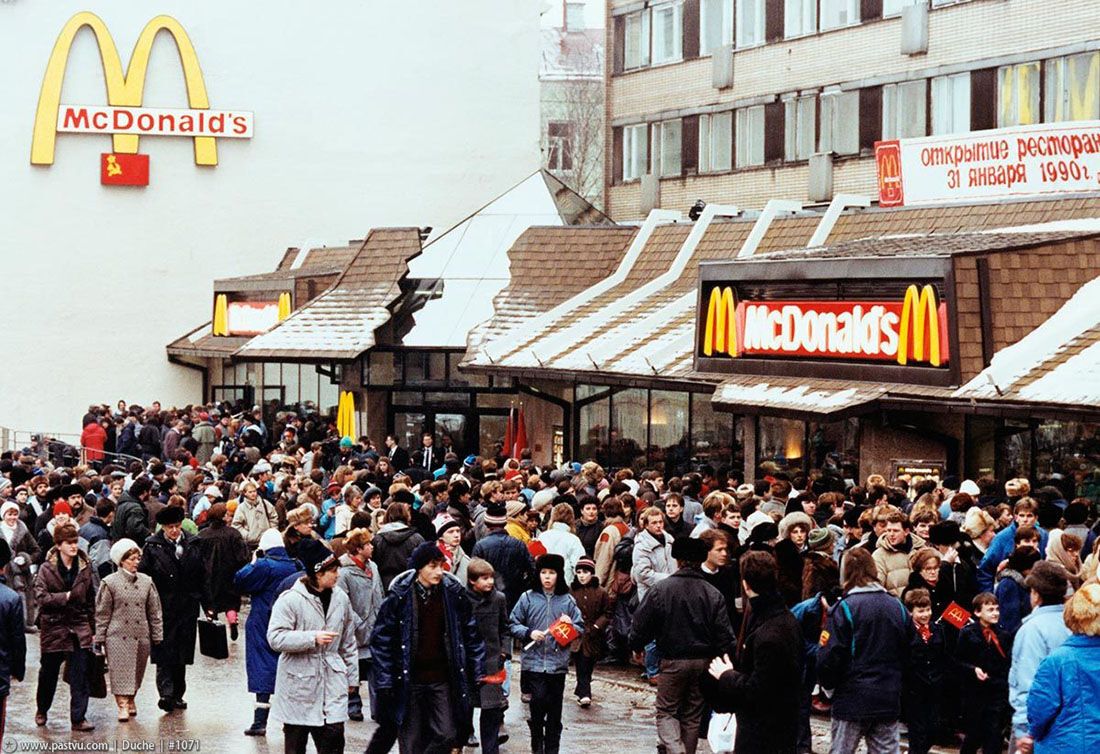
124 117
910 331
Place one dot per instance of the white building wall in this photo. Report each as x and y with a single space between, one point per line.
410 113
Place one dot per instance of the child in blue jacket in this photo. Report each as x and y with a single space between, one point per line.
545 661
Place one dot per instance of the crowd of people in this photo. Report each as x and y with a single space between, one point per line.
964 612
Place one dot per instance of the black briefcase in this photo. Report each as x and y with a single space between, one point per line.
212 640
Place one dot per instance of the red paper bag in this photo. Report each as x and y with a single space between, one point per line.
563 631
956 615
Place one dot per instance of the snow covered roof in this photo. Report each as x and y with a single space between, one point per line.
800 397
572 55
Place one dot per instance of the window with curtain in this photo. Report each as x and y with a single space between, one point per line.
636 44
635 141
904 109
799 18
1018 95
838 13
750 136
750 23
715 142
840 122
1072 88
715 25
666 148
668 32
627 438
801 122
951 104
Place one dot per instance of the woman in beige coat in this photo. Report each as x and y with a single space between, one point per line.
128 622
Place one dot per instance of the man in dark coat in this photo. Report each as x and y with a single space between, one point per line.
511 561
173 559
131 515
399 457
428 657
13 642
427 456
224 552
688 619
763 689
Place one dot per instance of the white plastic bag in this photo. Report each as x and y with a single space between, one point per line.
721 732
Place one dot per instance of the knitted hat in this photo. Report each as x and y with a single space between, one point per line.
443 522
496 514
62 507
315 556
424 554
690 550
8 504
515 508
345 442
586 563
755 519
121 548
270 539
169 515
820 540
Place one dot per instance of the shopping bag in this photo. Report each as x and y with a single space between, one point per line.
721 732
212 639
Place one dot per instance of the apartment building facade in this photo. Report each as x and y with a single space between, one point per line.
741 101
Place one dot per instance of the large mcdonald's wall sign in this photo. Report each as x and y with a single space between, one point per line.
124 117
912 330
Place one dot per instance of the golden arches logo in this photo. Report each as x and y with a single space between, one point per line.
918 312
123 89
720 334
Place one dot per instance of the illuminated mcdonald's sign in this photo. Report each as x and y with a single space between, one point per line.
124 117
910 331
890 187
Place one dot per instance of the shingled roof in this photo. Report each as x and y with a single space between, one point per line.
340 323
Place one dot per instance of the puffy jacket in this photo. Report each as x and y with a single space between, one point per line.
892 562
560 541
869 632
392 548
131 520
312 682
537 611
999 549
13 642
253 519
261 580
512 562
652 561
364 589
1041 633
395 636
686 616
1062 712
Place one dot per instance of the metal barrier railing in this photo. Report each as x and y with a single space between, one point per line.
53 447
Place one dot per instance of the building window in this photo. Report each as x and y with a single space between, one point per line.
715 25
1018 101
715 142
951 104
840 122
635 147
574 16
1073 88
666 148
750 23
780 445
668 429
559 138
637 40
801 124
838 13
893 7
750 136
904 110
668 35
799 18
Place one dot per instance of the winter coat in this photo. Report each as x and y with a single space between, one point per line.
395 637
893 562
253 519
312 682
392 548
537 611
511 561
927 669
13 641
790 563
224 553
1062 712
98 536
869 634
207 438
652 561
1041 633
364 589
260 580
764 689
999 549
24 553
491 614
131 520
686 616
595 607
128 622
973 651
180 585
613 532
459 562
64 612
1014 597
560 541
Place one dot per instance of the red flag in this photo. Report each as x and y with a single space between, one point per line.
563 631
521 435
124 169
509 433
956 615
496 679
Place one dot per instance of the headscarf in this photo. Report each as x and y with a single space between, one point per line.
1056 553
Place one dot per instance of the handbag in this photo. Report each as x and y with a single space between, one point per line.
721 731
212 639
95 668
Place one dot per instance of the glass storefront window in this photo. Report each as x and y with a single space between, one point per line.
627 439
592 429
1067 455
291 382
491 431
779 445
330 397
272 377
437 367
309 384
408 426
668 431
415 366
713 438
834 446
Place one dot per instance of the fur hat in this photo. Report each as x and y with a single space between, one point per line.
8 504
690 550
424 554
1049 579
121 548
755 519
1082 612
943 533
1017 487
763 533
977 522
403 496
795 518
744 492
315 556
554 562
299 515
270 539
496 514
169 515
